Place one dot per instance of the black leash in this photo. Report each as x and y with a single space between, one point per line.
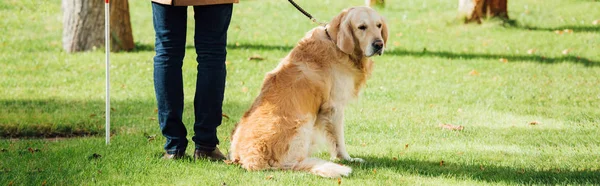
306 13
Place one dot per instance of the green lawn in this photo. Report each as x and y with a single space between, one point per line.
435 71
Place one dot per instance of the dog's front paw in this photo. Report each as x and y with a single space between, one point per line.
357 160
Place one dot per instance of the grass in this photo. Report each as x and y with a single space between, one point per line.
435 70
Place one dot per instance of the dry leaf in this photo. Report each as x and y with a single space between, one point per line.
44 183
481 167
10 183
569 31
112 109
237 44
442 163
375 171
474 73
92 115
595 22
531 51
503 60
363 144
559 32
269 177
225 115
394 109
394 158
452 127
522 171
152 118
155 110
406 146
396 43
534 123
339 181
151 138
566 51
256 58
227 63
244 89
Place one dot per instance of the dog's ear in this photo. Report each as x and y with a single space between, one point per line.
341 32
384 32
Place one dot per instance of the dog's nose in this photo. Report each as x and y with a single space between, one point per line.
378 44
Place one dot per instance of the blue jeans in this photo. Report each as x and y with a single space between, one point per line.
210 39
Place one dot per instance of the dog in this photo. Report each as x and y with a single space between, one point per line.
303 98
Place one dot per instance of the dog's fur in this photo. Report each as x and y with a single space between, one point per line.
304 97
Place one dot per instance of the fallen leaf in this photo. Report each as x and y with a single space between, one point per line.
269 177
112 109
406 146
92 115
474 73
256 58
10 183
442 163
44 183
237 44
522 171
595 22
566 51
503 60
531 51
123 86
155 110
339 181
244 89
559 32
569 31
481 167
534 123
451 127
151 138
152 118
223 184
225 115
375 171
394 109
396 43
394 158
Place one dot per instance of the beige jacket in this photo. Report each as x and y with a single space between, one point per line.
194 2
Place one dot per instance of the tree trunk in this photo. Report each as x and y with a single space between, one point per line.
377 3
83 24
475 10
120 26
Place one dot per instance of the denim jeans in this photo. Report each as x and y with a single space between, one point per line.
210 38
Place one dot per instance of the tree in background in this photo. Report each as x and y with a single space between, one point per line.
83 25
475 10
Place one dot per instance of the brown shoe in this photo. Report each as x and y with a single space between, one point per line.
214 155
175 156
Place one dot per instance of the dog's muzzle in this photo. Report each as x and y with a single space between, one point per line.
377 46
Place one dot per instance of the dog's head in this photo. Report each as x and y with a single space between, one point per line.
359 31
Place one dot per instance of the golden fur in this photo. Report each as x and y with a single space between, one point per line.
304 97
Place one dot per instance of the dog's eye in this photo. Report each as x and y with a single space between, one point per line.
362 27
379 25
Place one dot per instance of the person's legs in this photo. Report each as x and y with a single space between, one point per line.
170 28
210 40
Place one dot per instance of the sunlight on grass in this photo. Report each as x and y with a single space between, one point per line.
493 79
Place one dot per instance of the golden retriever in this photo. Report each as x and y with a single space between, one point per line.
303 98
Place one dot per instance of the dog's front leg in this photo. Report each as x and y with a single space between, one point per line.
337 133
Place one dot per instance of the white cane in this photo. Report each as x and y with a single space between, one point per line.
107 47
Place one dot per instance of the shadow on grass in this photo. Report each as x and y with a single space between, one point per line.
574 28
488 173
50 118
451 55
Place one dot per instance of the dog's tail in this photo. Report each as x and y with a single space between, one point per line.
321 167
